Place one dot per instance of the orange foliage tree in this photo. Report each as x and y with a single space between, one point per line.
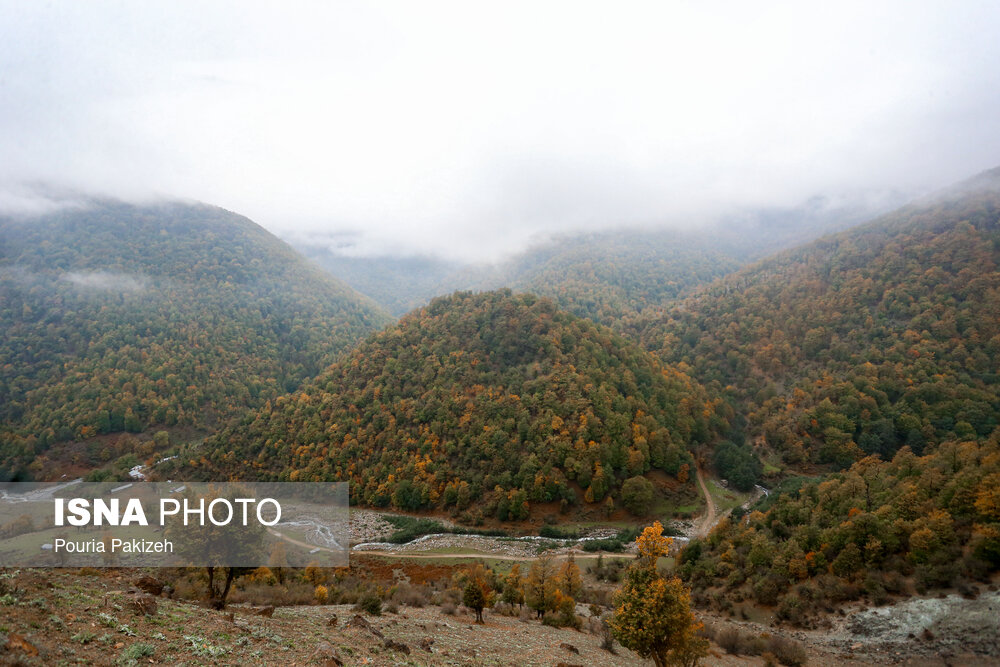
653 613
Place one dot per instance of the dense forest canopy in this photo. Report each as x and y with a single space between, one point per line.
491 393
860 343
119 317
879 529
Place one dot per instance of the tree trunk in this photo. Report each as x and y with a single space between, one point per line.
230 576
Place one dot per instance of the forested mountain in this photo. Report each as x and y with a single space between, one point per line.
617 277
610 277
862 342
118 317
493 393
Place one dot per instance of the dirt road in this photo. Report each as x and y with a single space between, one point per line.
708 521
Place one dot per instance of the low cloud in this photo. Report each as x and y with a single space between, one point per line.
107 281
24 200
469 130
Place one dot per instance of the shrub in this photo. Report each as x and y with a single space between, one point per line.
729 640
734 641
409 595
875 589
766 590
557 533
369 603
134 652
791 609
787 651
562 620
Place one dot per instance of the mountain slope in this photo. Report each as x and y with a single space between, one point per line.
610 277
862 342
119 317
491 393
880 530
618 277
398 284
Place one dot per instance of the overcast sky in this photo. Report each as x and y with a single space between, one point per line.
469 127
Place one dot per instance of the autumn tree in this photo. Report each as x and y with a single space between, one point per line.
315 574
653 613
278 561
215 547
477 589
541 587
513 587
569 578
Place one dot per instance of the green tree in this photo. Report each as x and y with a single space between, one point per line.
637 495
477 592
513 587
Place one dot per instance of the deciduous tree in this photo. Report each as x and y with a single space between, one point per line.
653 613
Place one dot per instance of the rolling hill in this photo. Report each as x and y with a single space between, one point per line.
119 317
494 397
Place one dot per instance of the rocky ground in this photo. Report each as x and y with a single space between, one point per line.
952 629
949 630
368 526
54 617
64 617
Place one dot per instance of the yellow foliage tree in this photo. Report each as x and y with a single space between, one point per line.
569 578
653 544
541 585
988 497
652 613
315 574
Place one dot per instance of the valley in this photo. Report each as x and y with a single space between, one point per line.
816 431
499 334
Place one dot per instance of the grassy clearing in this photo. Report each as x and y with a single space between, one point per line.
726 499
